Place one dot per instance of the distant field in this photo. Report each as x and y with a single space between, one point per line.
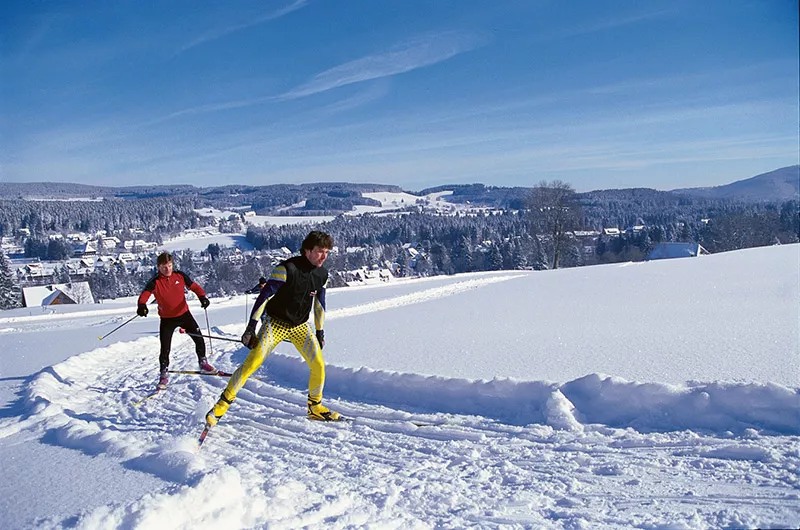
201 243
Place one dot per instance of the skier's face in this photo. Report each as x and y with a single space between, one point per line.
165 268
317 255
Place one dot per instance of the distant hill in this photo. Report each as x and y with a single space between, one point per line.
67 190
780 185
332 197
318 199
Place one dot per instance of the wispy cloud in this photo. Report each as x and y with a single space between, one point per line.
205 109
422 51
221 32
606 24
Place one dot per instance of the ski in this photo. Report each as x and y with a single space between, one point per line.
219 373
202 437
356 420
151 395
341 419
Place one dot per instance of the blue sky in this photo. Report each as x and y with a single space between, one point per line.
600 94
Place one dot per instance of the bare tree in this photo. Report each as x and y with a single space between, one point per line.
555 212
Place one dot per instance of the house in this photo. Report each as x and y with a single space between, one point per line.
110 243
85 249
368 275
57 297
34 269
104 263
62 293
676 250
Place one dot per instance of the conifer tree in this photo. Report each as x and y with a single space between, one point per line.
10 293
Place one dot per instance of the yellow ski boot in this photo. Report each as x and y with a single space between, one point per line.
218 410
319 412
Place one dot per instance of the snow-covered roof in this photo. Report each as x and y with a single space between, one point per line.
676 250
79 292
58 296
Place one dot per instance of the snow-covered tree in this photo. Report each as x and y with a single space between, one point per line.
10 292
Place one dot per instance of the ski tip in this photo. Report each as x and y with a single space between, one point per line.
202 438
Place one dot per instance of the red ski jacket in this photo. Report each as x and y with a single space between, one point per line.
170 293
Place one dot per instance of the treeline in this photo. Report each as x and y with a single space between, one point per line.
218 277
454 244
419 243
728 229
168 216
643 206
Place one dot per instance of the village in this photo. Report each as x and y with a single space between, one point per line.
55 282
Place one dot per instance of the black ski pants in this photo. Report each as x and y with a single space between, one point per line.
166 330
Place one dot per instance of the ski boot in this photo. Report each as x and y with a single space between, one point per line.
206 366
218 410
319 412
163 378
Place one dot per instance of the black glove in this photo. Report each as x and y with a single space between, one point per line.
321 338
204 302
142 310
249 338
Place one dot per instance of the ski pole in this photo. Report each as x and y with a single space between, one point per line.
116 328
210 349
182 330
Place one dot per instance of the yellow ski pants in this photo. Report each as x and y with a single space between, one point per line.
271 334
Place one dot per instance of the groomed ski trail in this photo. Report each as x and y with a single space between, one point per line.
265 464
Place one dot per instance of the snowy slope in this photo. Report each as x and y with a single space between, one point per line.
452 427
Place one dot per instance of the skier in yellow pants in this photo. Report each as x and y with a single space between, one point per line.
295 287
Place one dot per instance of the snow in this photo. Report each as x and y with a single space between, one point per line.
198 239
393 200
283 220
663 394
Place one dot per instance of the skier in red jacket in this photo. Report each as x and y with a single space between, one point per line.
169 288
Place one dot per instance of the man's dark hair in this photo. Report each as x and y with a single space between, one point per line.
164 257
316 238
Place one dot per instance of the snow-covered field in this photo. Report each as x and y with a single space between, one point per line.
650 395
282 220
198 240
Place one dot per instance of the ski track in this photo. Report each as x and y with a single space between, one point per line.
266 465
417 297
488 454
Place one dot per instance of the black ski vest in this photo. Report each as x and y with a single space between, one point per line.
292 303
